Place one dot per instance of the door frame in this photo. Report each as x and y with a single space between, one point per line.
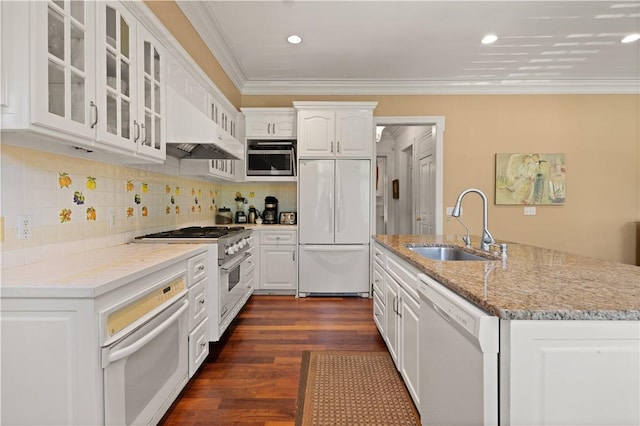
439 123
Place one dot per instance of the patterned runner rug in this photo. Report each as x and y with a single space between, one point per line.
352 388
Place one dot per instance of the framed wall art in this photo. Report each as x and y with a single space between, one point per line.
530 179
395 187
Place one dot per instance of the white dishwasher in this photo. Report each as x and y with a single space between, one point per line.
459 346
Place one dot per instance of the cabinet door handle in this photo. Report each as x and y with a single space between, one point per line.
338 150
269 128
332 147
137 131
144 132
95 108
294 255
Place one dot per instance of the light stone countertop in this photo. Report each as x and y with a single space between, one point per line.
92 273
533 283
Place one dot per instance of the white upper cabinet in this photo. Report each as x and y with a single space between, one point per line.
270 123
130 84
86 73
343 130
63 80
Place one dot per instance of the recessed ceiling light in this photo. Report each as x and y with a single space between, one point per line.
294 39
631 38
489 38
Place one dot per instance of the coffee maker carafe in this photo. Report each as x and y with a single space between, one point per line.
270 213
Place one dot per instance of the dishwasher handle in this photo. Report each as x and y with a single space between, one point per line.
128 350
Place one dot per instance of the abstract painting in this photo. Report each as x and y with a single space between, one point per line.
530 179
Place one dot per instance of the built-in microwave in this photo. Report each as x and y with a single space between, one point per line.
271 158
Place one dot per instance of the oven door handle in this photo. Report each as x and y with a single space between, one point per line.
229 268
128 350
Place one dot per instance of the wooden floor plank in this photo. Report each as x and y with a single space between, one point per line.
252 376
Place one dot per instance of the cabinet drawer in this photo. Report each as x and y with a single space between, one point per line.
407 276
198 305
198 346
197 269
378 280
278 237
378 312
379 254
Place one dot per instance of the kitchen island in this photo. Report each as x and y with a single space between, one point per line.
533 283
569 329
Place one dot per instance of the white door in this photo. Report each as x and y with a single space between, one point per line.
352 201
316 200
425 218
425 196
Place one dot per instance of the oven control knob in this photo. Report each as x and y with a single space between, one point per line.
229 250
236 247
242 243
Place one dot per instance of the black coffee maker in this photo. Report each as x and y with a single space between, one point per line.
270 213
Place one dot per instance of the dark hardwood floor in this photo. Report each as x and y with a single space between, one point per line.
252 376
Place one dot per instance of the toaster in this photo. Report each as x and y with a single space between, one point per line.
287 218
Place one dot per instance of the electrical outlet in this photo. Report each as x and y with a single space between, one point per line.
529 211
24 227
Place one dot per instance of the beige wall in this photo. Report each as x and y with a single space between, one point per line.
598 133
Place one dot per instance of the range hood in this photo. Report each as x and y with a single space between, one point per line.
193 135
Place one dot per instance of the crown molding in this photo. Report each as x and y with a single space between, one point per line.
207 26
377 87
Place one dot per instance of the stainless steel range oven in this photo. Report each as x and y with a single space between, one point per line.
230 249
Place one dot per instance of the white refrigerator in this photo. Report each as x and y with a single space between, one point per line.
334 211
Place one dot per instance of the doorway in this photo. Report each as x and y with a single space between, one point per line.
412 149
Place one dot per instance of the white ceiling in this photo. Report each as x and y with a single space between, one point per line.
417 47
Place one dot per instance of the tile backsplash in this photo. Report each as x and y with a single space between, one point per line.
78 204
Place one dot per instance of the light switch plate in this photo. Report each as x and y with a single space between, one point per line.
529 211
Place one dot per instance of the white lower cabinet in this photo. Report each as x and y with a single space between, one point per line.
51 371
399 312
569 372
379 297
198 346
277 262
550 372
54 360
409 309
391 318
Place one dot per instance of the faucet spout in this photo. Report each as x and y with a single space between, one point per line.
487 238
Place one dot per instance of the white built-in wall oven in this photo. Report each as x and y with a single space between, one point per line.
144 349
229 288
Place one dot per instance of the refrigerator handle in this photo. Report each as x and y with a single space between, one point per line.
331 215
338 190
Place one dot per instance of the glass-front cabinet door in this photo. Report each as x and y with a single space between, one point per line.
116 92
64 68
151 80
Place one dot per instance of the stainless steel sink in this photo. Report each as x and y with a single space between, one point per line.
445 253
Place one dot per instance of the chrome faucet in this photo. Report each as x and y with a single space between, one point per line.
487 238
